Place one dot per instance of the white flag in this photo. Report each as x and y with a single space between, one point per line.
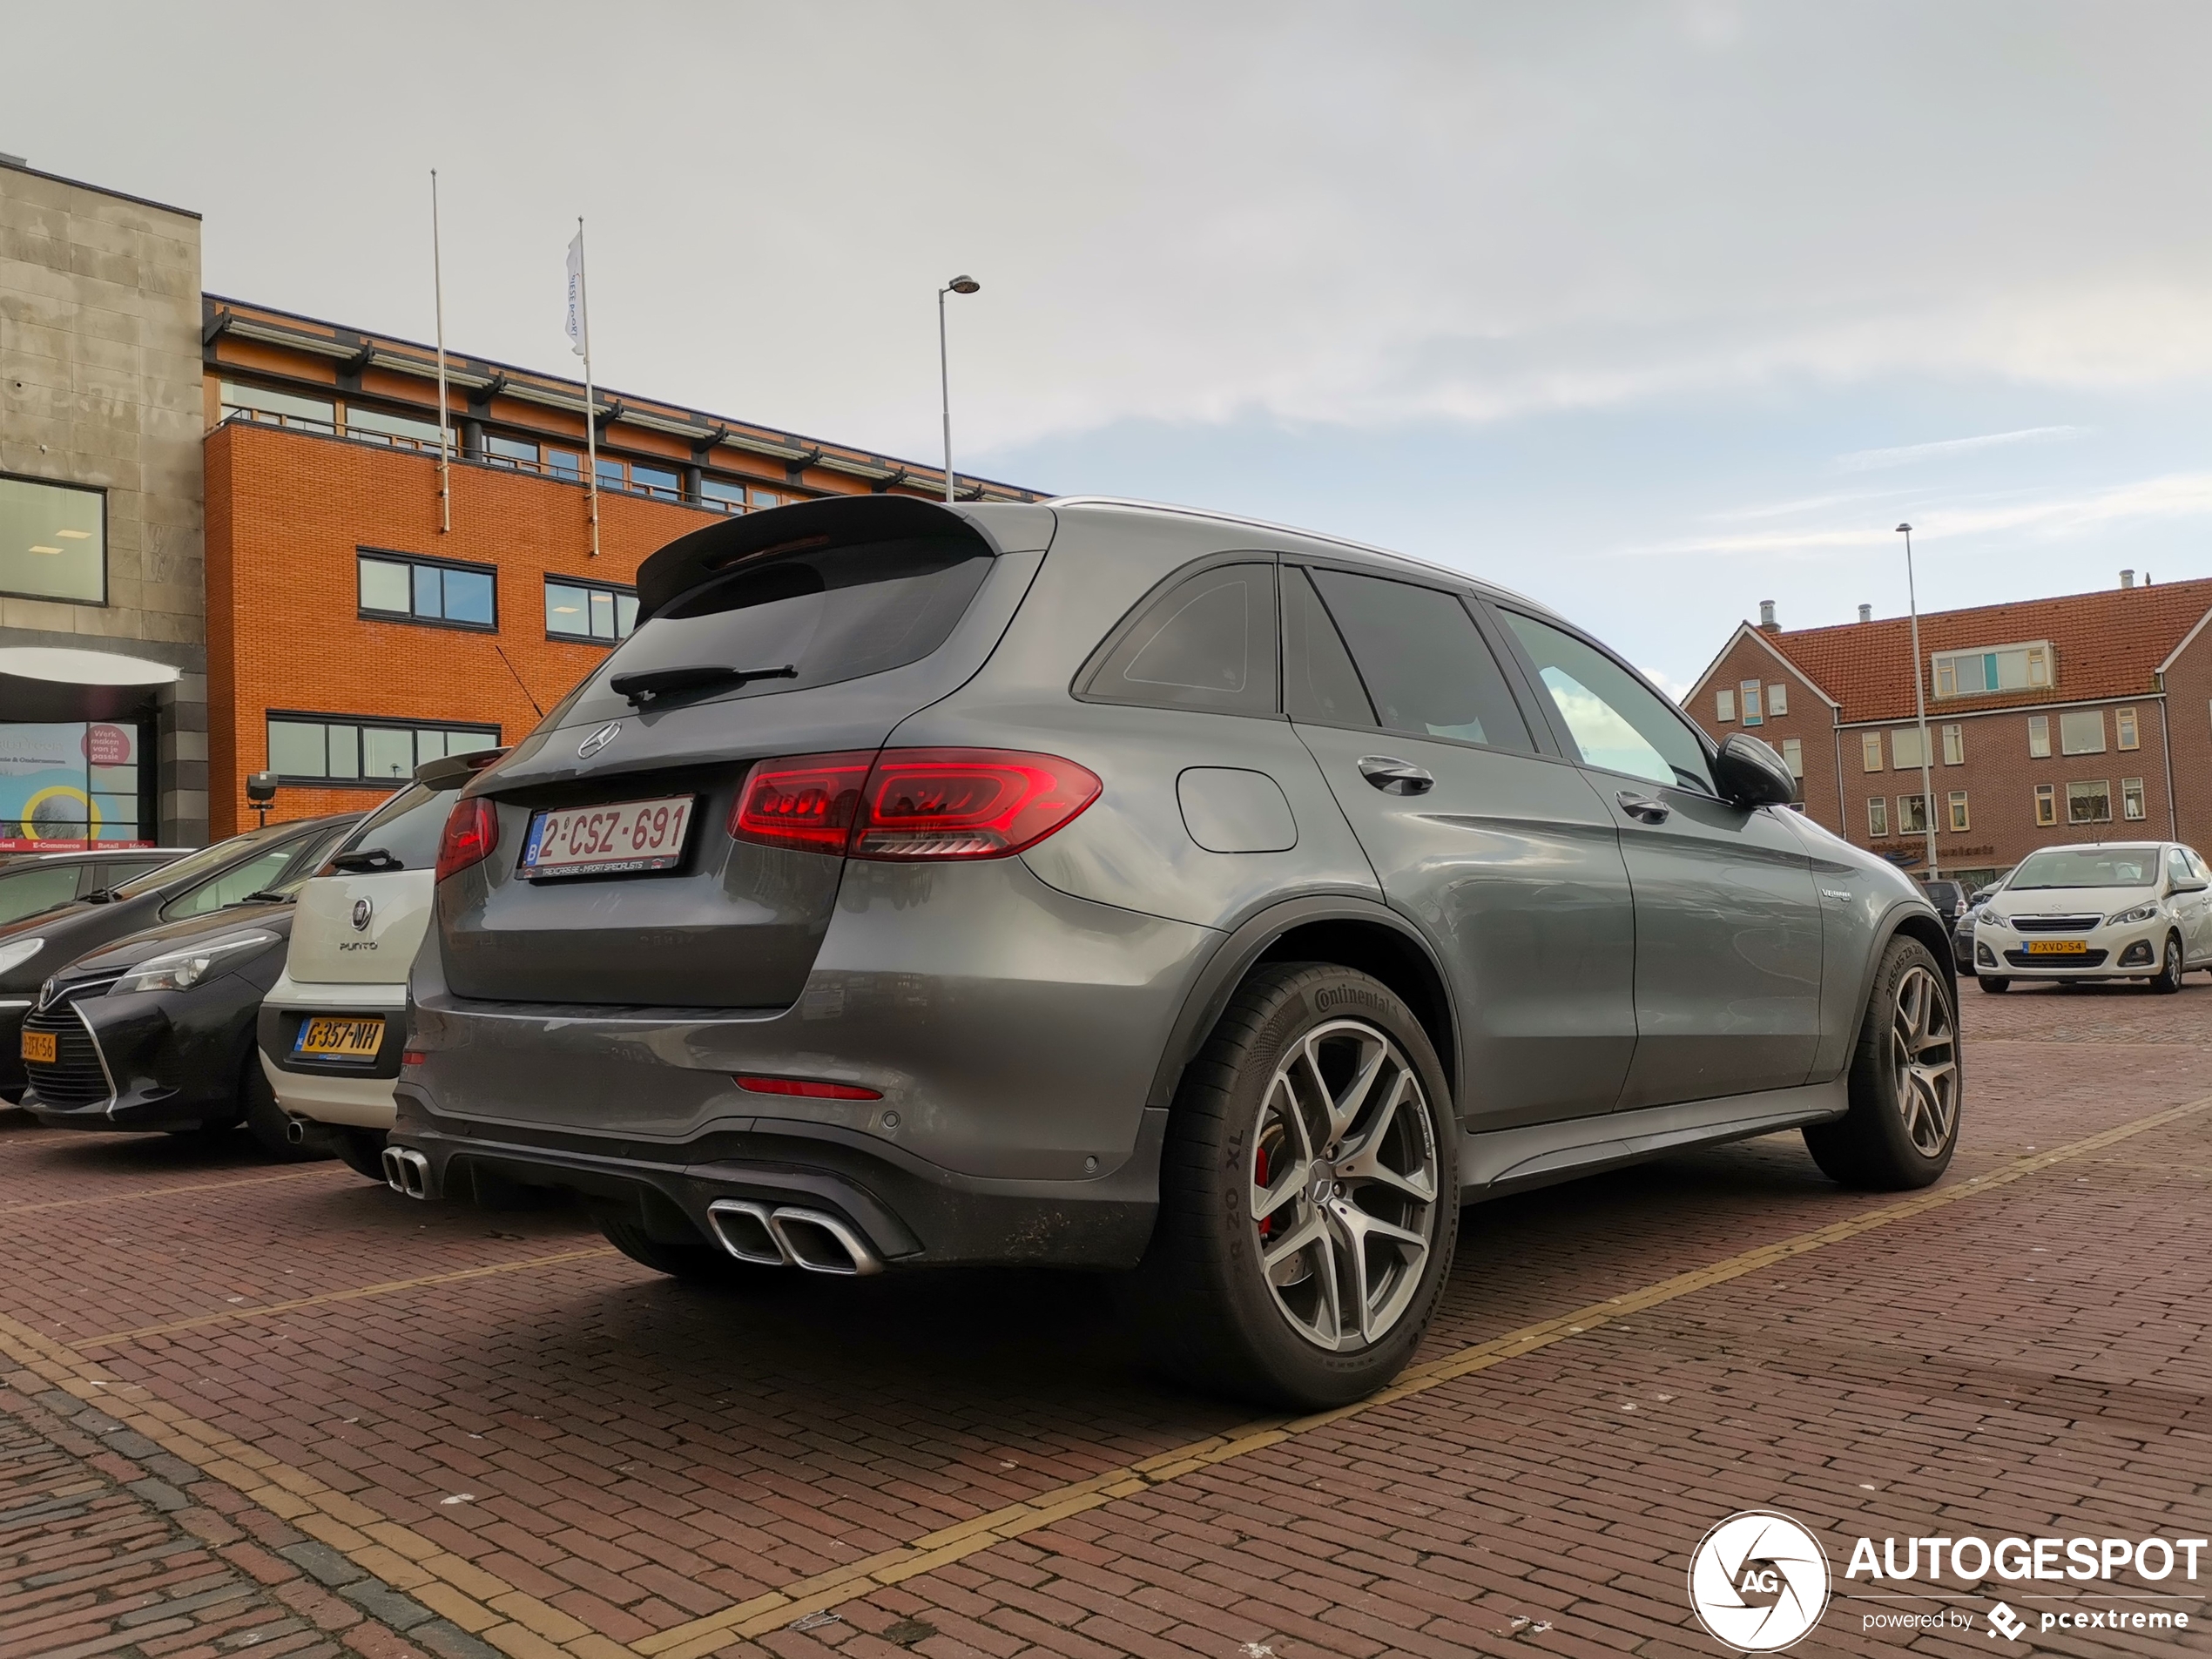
578 329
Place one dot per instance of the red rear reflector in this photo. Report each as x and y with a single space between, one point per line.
471 832
807 801
912 804
413 1057
808 1090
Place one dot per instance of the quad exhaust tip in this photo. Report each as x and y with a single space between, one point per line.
407 1172
787 1235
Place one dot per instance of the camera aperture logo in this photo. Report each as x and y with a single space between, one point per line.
1759 1582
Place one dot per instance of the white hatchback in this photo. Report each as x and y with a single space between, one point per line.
2139 910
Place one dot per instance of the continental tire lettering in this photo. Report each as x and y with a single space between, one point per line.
1338 996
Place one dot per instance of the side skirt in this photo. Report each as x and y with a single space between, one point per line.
1511 1160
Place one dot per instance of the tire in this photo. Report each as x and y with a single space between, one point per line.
362 1152
1995 984
2170 970
1266 1089
1907 1080
265 1119
695 1263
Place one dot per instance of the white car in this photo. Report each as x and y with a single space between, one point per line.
334 1026
2140 910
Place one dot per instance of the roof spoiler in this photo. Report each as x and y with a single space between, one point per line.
450 772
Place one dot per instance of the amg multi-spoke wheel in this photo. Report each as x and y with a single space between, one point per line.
1907 1082
1343 1184
1309 1194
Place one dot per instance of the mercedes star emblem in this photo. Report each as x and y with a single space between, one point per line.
598 740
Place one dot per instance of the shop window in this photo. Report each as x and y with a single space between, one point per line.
1957 805
1869 751
1954 746
2088 803
2039 736
2131 798
589 611
1878 817
2129 732
2047 805
2081 732
69 784
53 541
342 749
401 586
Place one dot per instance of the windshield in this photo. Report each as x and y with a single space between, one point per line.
407 826
2085 866
206 861
827 614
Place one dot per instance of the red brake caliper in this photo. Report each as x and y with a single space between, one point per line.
1259 1175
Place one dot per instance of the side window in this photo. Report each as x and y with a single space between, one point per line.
1207 643
1617 722
25 893
1320 683
2177 867
1424 666
263 870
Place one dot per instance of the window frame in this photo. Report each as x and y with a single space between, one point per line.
1547 725
1777 697
1904 827
1878 818
589 584
2104 784
1109 646
1750 707
392 556
364 721
99 494
1958 818
2065 746
2134 806
1954 745
1869 752
2037 659
2046 805
2039 736
1793 756
2128 728
1724 706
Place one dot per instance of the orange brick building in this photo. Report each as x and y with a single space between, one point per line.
351 633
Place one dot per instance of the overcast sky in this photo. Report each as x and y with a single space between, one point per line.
1653 311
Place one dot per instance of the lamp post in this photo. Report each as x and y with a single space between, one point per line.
958 284
1920 707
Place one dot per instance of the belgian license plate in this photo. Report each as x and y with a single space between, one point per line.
328 1038
622 839
42 1046
2057 946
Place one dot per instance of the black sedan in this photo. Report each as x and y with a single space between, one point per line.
198 885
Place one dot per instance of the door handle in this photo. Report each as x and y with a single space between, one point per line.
1645 809
1395 777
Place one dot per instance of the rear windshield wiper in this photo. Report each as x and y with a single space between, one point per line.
265 896
366 861
649 682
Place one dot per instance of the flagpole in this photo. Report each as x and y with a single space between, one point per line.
445 428
591 399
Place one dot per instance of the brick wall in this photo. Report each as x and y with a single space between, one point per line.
1808 719
285 513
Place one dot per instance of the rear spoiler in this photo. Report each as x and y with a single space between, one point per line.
450 772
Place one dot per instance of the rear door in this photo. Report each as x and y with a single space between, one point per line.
1728 926
1497 850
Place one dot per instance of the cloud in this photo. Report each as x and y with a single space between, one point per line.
1947 449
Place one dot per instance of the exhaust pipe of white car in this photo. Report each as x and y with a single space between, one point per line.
407 1172
787 1236
295 1132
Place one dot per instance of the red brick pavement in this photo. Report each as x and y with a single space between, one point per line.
637 1455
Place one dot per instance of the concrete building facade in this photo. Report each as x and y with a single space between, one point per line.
103 634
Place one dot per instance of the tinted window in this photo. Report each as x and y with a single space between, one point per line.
25 893
1320 683
1427 670
207 859
1617 722
831 614
407 826
1207 643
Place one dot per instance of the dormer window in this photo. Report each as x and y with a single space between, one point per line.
2003 668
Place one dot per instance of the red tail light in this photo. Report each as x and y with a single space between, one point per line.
807 1089
808 801
471 832
912 803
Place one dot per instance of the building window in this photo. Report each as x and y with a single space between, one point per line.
2039 736
2047 804
1778 699
341 749
655 481
2008 668
2129 732
1748 697
589 611
2088 803
1869 751
399 585
1912 814
2081 732
373 426
1878 817
565 464
1724 706
1905 749
1793 754
1954 746
2131 797
1957 804
518 453
610 472
53 541
260 404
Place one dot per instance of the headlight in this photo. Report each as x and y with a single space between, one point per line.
1993 918
179 970
2140 913
17 952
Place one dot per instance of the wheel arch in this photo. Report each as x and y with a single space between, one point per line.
1352 932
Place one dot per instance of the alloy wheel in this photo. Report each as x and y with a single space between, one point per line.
1344 1185
1924 1052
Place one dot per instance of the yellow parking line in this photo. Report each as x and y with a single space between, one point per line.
159 1192
389 1287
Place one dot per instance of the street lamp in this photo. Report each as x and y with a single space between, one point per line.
1921 705
958 284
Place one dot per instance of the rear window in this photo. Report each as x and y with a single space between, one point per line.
836 613
407 826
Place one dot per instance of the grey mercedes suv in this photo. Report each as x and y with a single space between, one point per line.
1116 887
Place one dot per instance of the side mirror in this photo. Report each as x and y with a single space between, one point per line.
1747 773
